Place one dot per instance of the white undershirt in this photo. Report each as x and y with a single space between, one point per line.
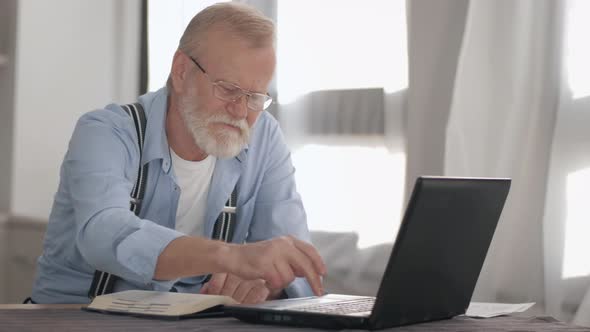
194 179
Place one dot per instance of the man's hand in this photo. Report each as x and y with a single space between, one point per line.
243 291
277 261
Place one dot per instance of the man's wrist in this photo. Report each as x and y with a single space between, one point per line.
223 257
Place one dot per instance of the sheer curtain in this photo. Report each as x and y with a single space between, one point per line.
501 124
341 85
510 115
341 90
566 222
341 94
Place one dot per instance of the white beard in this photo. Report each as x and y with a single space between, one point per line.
221 143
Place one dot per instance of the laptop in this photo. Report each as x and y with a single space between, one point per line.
434 265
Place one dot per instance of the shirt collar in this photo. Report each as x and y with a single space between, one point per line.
156 142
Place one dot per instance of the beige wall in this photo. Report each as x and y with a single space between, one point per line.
3 250
92 61
7 68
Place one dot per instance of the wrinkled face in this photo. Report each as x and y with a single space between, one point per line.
221 128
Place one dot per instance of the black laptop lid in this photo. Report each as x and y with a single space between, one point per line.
440 249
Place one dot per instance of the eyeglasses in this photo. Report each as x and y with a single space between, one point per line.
231 92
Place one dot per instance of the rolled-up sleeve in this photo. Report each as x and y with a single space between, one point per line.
101 162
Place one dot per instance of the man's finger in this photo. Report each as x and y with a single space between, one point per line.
300 262
231 284
242 291
257 294
286 272
311 252
216 283
204 289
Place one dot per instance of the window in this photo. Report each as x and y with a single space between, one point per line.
335 45
358 188
340 44
326 45
577 51
166 23
572 164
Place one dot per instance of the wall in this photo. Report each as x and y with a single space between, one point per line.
64 58
7 46
23 243
72 56
3 264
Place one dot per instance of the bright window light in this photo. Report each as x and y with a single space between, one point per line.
348 183
352 188
167 21
577 228
340 44
577 48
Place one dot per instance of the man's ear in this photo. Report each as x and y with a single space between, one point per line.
179 70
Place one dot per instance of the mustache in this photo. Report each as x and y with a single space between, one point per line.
225 119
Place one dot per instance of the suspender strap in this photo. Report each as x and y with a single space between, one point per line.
225 224
103 282
223 230
139 119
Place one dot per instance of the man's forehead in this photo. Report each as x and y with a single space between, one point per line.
220 37
250 67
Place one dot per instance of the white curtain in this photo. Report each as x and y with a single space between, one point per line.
435 33
498 110
501 124
319 122
486 96
567 217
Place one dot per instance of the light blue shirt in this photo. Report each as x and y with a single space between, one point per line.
91 227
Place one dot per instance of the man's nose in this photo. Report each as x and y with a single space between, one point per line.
239 107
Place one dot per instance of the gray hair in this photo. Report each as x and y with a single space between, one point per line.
245 21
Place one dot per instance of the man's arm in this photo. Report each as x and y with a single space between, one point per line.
98 171
277 261
112 239
278 209
190 256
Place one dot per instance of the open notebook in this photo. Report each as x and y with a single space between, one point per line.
160 304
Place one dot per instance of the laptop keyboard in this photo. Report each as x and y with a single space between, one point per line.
339 308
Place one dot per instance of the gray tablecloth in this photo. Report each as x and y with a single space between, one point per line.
78 320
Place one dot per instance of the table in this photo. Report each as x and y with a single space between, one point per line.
69 317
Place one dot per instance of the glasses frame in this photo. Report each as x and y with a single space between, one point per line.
268 99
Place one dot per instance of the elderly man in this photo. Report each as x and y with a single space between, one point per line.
206 136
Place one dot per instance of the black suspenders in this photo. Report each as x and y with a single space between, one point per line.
223 229
104 282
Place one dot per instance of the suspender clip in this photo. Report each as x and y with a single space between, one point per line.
229 209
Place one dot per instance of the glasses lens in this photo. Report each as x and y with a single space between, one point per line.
231 92
259 102
226 91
